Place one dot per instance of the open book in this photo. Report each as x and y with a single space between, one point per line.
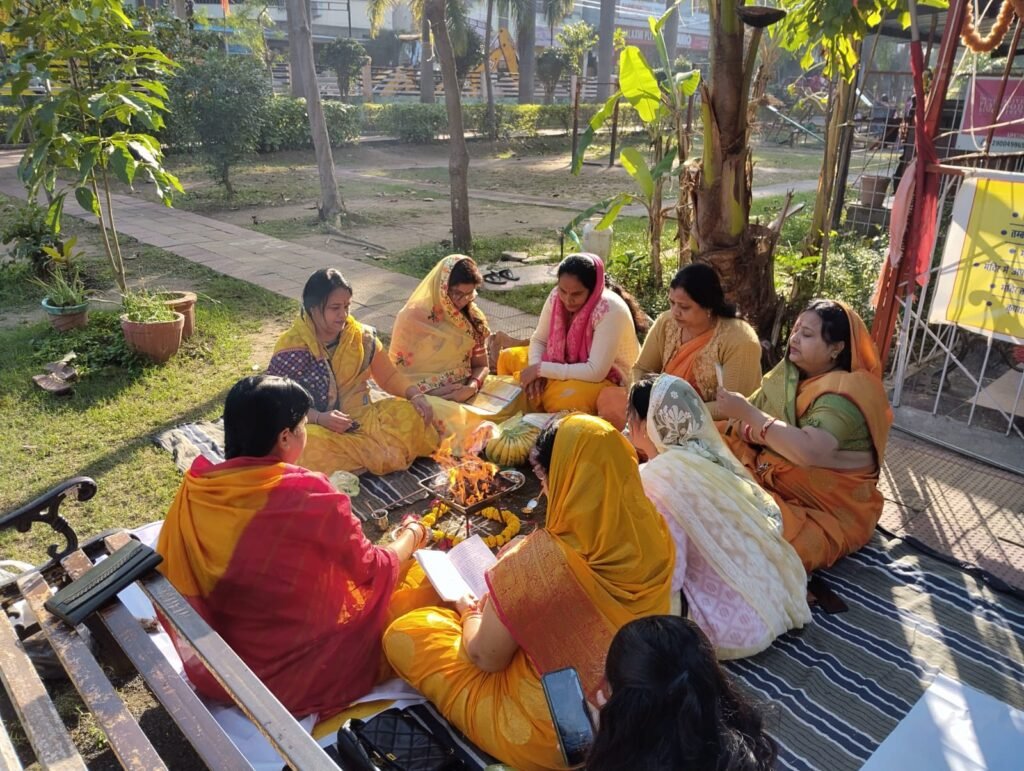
460 571
495 396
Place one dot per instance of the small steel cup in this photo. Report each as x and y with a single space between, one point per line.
380 519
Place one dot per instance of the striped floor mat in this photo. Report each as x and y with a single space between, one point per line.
833 691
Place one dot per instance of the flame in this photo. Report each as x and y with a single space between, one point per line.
470 479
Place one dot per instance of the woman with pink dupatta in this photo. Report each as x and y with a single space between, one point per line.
585 342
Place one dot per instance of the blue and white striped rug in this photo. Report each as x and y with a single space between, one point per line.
833 691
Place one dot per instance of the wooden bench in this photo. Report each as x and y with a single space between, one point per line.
119 634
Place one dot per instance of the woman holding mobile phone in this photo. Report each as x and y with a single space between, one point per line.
671 706
556 599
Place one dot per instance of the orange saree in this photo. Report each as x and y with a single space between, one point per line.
826 513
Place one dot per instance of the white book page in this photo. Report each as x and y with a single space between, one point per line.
471 559
495 396
443 574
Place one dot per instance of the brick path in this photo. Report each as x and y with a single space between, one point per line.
274 264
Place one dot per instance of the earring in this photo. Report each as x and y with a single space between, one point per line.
835 355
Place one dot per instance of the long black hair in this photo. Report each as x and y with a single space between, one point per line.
584 269
701 282
835 328
671 706
319 286
258 408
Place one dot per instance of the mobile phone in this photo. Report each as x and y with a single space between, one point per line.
568 706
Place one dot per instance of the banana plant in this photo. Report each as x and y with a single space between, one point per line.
661 99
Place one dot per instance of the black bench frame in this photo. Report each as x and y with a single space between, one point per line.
121 635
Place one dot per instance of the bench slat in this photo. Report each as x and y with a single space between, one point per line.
50 740
282 730
8 755
185 708
127 740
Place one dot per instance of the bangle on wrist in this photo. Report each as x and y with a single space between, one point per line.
470 613
747 434
316 418
764 429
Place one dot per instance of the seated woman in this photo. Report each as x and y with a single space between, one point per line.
272 557
556 599
699 330
585 342
438 342
814 434
671 706
742 582
333 356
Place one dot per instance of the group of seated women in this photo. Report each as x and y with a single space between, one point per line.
720 525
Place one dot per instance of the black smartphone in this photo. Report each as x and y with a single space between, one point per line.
568 706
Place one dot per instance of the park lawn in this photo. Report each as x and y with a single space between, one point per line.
105 429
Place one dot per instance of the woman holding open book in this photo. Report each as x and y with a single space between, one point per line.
438 343
555 599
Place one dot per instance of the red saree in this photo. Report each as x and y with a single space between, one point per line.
274 560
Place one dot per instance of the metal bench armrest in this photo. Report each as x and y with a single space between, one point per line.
45 509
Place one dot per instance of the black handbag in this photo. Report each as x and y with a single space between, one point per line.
396 741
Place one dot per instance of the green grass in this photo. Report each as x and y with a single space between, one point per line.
105 429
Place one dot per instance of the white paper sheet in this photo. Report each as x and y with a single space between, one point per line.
955 727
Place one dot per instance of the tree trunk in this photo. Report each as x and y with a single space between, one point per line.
526 43
605 50
458 158
492 118
722 233
331 204
426 63
671 31
655 219
180 8
298 88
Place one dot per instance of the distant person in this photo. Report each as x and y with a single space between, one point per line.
334 356
814 433
585 341
671 706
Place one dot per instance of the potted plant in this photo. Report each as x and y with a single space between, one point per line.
185 304
66 302
150 327
872 190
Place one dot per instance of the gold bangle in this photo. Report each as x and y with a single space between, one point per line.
472 613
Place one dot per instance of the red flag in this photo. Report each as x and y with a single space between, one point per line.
224 6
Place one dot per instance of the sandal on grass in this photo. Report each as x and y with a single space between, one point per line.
508 275
494 277
52 384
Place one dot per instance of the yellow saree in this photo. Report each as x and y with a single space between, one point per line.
391 434
433 344
604 558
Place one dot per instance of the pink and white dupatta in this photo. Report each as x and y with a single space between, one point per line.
569 342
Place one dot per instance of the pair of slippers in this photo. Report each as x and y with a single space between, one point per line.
58 378
502 276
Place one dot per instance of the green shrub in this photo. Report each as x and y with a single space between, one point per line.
342 122
345 56
27 226
8 115
415 123
99 345
851 268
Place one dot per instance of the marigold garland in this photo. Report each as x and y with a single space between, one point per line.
972 37
511 521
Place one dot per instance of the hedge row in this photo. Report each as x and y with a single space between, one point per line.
8 115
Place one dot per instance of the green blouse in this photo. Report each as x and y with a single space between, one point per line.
841 418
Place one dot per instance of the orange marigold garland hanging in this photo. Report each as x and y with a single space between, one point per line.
983 45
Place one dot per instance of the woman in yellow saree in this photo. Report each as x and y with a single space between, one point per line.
814 434
333 356
556 599
438 342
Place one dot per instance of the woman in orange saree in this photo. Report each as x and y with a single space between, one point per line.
333 356
272 557
814 434
699 333
556 600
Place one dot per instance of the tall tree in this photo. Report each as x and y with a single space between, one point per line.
492 117
526 44
554 12
331 204
605 49
458 153
296 85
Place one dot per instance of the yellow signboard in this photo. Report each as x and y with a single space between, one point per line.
981 280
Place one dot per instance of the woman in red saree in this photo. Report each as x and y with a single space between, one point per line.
814 434
272 557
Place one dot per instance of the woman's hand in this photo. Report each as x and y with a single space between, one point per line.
445 391
335 420
733 405
464 393
467 603
419 401
529 375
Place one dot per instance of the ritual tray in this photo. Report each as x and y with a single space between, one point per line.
504 482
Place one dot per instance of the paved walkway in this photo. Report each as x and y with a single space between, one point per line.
274 264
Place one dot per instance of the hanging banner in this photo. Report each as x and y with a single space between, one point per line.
981 280
1008 137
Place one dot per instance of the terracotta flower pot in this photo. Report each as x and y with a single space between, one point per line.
156 340
873 190
66 317
185 304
